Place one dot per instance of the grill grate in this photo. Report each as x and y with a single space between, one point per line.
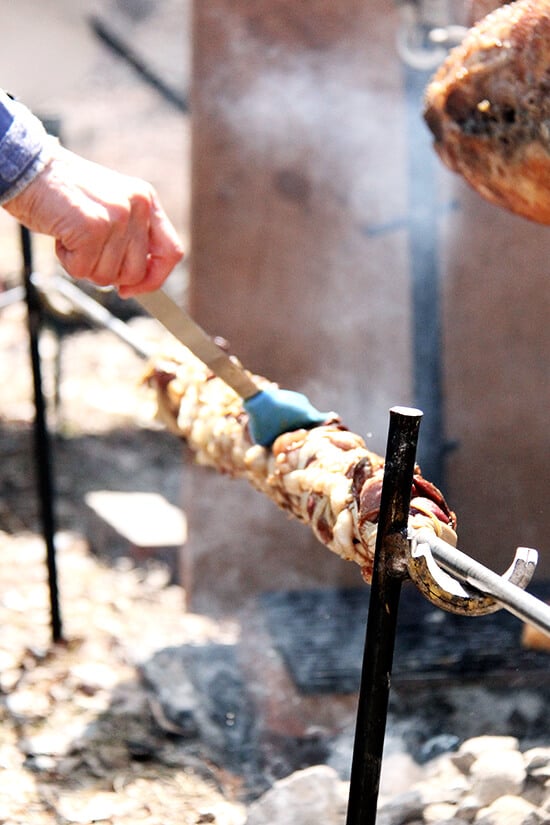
320 635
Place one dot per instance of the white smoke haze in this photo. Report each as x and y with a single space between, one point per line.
320 110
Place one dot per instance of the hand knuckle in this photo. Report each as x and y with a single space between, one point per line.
141 202
99 225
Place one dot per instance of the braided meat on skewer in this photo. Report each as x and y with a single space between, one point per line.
325 477
488 107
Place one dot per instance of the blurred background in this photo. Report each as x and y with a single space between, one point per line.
324 240
61 59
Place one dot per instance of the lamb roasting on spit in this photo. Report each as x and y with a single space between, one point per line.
325 477
488 107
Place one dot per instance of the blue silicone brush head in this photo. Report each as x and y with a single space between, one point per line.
274 412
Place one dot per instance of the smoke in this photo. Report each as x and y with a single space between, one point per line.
330 111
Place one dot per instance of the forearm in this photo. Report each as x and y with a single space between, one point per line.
24 147
109 228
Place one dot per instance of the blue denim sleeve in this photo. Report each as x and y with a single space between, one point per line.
22 147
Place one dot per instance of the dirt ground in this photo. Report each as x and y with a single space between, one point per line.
79 742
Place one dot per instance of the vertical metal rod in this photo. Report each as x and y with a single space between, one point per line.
382 617
45 487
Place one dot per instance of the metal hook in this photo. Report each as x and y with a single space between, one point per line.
457 583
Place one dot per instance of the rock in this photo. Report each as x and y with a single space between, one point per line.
467 808
198 691
402 808
91 677
439 812
437 745
47 743
454 821
94 808
509 810
545 807
308 797
444 789
471 749
537 763
399 773
28 704
495 773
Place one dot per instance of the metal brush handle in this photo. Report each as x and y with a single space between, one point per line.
188 332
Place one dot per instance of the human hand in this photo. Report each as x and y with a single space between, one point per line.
109 228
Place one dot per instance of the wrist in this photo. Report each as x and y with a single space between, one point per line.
39 166
25 149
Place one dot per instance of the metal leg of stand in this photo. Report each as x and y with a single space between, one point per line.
41 437
388 575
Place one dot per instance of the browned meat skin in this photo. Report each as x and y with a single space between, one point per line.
325 477
488 108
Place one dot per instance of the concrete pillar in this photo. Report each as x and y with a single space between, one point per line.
496 312
299 249
301 258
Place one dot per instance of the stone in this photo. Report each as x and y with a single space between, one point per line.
443 770
467 808
142 519
402 808
537 763
399 772
439 812
472 748
534 792
143 526
454 821
494 774
197 692
96 807
442 743
442 789
306 797
509 810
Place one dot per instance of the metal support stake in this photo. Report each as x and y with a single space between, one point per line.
388 573
41 438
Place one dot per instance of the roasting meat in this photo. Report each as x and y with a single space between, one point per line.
488 108
326 477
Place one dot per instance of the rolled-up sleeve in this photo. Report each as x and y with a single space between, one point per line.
23 147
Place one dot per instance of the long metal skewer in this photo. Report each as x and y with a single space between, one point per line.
523 605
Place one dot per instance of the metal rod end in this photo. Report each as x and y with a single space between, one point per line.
411 412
